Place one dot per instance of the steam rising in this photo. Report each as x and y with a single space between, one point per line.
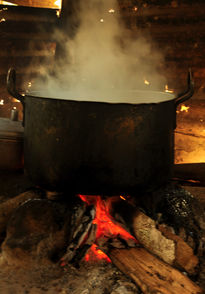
103 63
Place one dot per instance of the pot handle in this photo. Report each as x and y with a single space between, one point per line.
11 85
189 91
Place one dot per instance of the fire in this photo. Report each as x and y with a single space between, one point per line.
106 226
94 253
184 108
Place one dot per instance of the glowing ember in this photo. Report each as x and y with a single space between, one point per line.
94 253
1 102
106 226
184 108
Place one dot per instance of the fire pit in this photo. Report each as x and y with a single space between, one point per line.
159 236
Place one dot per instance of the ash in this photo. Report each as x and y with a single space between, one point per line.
98 278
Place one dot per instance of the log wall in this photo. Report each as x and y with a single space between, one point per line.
26 44
177 29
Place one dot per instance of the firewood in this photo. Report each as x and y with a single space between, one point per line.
166 245
7 207
184 256
151 274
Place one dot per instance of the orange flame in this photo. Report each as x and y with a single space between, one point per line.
105 225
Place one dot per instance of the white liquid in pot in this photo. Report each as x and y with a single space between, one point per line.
130 97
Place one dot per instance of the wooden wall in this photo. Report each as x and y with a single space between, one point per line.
26 44
35 3
177 28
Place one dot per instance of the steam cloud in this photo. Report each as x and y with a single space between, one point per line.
103 62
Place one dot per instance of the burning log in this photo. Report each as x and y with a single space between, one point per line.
151 274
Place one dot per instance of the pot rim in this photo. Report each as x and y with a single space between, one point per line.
150 97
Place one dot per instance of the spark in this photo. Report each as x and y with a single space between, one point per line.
184 108
146 82
111 10
167 90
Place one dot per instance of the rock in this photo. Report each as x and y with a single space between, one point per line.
36 232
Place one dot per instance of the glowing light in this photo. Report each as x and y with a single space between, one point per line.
184 108
1 102
29 84
58 3
58 13
15 100
7 3
111 11
123 198
146 82
14 107
135 8
2 20
167 90
101 20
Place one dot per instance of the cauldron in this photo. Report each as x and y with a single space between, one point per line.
104 148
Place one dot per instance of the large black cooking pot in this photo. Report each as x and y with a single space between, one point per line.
99 147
